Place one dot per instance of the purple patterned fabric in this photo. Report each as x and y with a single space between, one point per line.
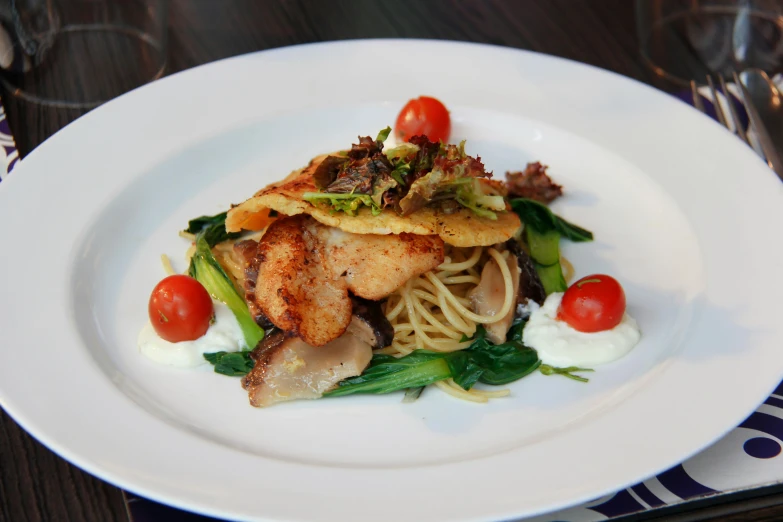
10 155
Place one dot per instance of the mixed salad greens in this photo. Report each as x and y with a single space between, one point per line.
406 178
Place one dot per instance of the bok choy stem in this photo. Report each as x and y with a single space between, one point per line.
207 271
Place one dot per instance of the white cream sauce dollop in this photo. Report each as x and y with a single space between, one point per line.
560 345
224 334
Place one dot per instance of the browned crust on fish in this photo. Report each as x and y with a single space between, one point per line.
302 271
293 288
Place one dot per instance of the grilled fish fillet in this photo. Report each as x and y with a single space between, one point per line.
302 273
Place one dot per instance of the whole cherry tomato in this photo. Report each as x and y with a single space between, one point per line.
593 304
423 116
180 309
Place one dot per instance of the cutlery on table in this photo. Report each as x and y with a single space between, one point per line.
763 103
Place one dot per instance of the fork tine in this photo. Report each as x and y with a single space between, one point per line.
716 102
696 97
767 146
733 111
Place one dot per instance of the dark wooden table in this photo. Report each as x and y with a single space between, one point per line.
37 485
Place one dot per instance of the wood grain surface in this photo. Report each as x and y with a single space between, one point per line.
35 484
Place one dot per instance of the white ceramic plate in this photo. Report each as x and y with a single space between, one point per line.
686 216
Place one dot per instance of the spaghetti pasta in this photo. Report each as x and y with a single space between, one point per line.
432 311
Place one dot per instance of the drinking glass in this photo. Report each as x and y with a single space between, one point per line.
77 54
683 40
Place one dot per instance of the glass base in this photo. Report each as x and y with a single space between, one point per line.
88 65
688 45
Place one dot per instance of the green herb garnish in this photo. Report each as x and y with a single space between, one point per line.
565 372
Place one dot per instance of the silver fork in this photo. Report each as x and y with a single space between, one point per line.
765 141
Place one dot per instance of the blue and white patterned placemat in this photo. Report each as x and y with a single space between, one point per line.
748 457
10 156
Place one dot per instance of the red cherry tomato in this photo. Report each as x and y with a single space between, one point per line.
180 309
423 115
593 304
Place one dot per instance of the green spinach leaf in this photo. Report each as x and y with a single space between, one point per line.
213 228
515 332
387 374
482 362
465 369
538 216
499 363
233 364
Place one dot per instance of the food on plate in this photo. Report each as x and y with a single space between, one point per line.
380 268
423 116
180 309
287 368
444 192
302 274
585 326
224 334
593 304
533 183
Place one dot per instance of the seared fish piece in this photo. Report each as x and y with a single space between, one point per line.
294 288
302 272
244 254
375 266
287 368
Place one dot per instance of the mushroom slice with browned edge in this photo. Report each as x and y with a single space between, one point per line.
370 324
530 285
287 368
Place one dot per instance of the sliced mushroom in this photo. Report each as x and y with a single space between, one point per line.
530 285
370 324
487 298
287 368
